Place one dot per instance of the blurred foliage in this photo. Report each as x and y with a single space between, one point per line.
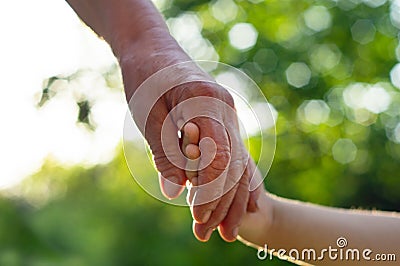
328 67
101 217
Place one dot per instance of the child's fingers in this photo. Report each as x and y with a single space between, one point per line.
191 135
192 132
190 141
192 152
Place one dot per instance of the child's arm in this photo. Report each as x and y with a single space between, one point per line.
288 224
303 227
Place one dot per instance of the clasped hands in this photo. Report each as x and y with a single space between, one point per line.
209 155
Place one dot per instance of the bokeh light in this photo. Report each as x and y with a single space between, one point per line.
314 111
325 57
243 36
397 133
266 60
395 76
317 18
373 98
374 3
186 29
363 31
344 151
224 10
298 74
395 13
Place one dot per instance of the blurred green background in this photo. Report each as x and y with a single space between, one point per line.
329 68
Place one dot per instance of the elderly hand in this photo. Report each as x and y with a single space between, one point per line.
168 100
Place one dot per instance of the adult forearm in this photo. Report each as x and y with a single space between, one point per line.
137 34
141 41
120 22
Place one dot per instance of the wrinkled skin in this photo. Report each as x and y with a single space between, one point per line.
231 165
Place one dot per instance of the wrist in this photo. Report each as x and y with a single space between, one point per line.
127 44
131 22
142 57
154 52
257 228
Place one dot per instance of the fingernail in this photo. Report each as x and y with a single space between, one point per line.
208 234
252 206
206 217
235 232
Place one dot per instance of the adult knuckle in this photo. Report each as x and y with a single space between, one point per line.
222 159
174 96
204 88
208 89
